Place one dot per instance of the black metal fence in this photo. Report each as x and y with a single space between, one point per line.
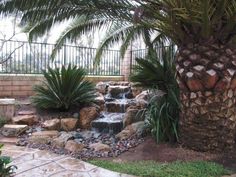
142 53
33 58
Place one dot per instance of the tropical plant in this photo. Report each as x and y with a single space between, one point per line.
159 76
203 30
64 87
6 170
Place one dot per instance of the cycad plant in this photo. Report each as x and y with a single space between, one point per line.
159 76
203 30
6 170
64 87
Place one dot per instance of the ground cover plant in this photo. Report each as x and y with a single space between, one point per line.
175 169
6 170
64 87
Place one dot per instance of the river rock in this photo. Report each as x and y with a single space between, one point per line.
62 139
54 124
9 130
25 119
130 130
117 91
100 147
73 146
133 115
87 115
69 124
43 137
101 87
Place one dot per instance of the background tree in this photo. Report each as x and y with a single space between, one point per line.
204 31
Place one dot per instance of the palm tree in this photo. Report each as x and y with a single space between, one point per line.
203 30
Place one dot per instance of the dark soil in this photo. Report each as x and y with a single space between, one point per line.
165 152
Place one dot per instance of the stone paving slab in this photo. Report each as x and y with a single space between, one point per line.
40 163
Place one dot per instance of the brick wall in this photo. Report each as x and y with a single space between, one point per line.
21 85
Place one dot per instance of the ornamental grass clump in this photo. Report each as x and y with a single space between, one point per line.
63 88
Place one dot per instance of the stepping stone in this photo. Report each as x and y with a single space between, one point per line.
9 130
26 113
25 119
7 140
43 137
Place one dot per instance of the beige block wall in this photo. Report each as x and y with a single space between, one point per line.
13 86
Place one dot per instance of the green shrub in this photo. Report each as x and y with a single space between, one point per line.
158 74
64 88
5 169
2 121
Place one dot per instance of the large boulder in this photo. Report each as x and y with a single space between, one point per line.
129 131
25 119
117 91
9 130
53 124
73 146
101 87
87 115
62 139
69 124
133 115
100 147
43 137
100 101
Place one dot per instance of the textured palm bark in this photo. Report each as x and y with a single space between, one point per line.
207 80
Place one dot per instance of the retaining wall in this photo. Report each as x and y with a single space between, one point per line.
21 85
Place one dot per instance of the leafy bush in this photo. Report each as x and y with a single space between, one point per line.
64 88
5 169
2 121
158 74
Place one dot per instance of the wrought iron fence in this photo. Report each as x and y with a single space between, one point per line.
142 53
33 58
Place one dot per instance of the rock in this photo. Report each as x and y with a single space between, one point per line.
135 128
142 96
21 113
9 130
54 124
25 119
76 115
73 146
116 106
100 147
134 115
101 87
117 91
194 85
136 90
69 124
87 115
43 137
100 101
62 139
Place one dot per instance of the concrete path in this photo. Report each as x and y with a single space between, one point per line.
40 163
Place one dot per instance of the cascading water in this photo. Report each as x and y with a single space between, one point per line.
111 120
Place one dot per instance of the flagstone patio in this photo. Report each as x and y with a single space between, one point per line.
33 162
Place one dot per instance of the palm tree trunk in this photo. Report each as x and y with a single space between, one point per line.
207 80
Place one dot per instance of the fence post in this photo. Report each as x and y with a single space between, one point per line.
126 64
